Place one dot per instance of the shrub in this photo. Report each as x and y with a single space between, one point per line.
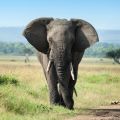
6 79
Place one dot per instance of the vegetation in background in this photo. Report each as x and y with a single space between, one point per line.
100 49
97 50
16 48
115 55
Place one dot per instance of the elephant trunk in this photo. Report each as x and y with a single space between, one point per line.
63 73
60 72
63 80
60 66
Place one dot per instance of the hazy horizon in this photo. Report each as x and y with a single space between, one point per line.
14 34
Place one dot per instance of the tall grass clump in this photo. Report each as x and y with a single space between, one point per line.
8 79
24 106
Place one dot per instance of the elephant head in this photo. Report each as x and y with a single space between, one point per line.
60 39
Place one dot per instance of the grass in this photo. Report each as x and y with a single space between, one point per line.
24 91
8 80
102 79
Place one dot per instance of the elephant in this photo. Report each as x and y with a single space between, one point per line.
60 45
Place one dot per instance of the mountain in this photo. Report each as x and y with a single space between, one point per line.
14 34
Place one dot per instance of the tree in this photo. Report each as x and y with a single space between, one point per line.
16 48
28 51
115 55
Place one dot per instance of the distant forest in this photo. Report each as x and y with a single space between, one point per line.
16 48
97 50
101 49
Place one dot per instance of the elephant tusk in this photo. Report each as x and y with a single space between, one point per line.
49 65
72 71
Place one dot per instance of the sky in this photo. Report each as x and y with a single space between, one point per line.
102 14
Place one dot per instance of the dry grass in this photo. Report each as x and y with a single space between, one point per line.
98 84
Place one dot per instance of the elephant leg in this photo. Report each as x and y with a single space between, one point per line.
51 78
72 82
71 87
61 101
52 85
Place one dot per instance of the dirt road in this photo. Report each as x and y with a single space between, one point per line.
111 112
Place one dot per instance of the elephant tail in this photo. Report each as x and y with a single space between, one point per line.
75 92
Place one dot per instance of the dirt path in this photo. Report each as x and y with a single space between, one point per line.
111 112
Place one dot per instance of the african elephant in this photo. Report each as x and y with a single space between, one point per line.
60 44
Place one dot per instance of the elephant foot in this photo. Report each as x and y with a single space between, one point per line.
54 103
61 102
54 100
70 106
69 103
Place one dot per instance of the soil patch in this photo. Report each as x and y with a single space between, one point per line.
111 112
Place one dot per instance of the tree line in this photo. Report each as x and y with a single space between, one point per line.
101 49
16 48
97 50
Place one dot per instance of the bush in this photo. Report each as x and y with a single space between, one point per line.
114 54
5 79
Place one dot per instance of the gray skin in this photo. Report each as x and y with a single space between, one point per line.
62 42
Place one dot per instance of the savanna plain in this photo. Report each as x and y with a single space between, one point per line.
24 91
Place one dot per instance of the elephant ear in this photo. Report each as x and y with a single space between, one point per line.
85 35
36 34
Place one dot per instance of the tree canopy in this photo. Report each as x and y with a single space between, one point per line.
114 54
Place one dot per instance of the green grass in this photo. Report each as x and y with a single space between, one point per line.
24 91
95 90
22 100
102 79
14 98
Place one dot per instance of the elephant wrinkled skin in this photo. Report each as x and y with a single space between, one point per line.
60 44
